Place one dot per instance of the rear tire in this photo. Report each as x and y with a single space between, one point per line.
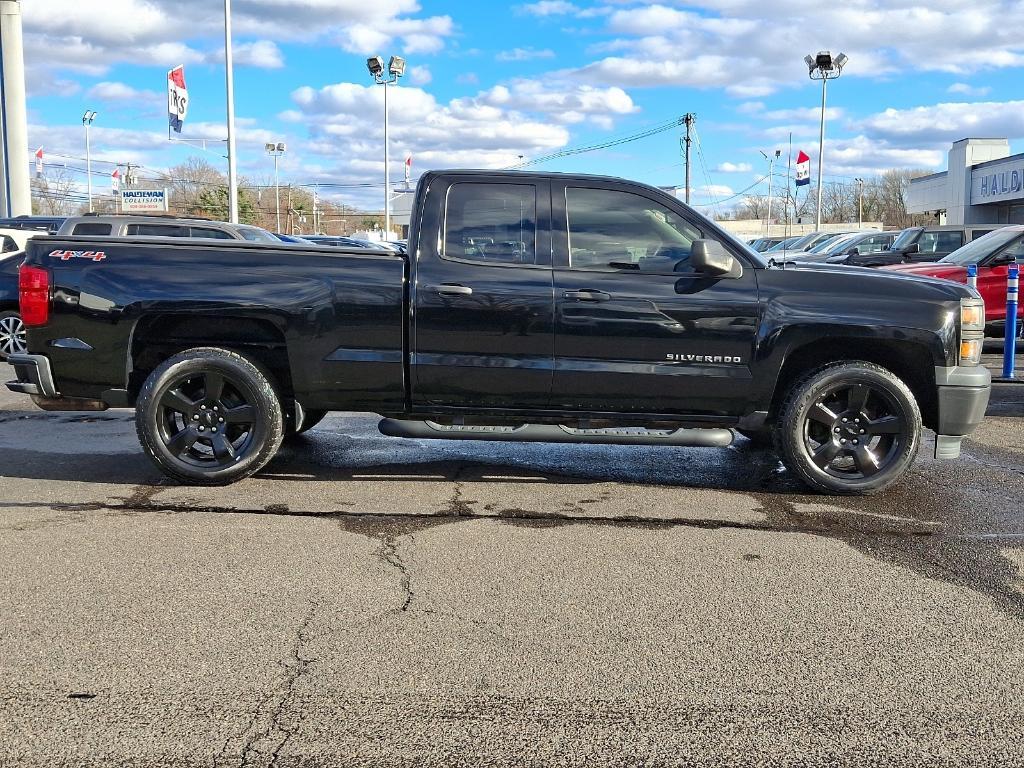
12 335
208 416
849 428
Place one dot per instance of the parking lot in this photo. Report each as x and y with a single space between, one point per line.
371 601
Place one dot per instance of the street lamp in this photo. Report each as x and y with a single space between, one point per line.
771 173
823 67
277 150
396 68
860 202
87 118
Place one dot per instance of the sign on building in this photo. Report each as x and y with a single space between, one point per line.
143 200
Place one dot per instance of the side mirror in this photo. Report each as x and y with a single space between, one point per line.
912 248
1004 259
855 251
711 258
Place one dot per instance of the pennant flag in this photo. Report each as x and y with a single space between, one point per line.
177 98
408 169
39 163
115 181
803 169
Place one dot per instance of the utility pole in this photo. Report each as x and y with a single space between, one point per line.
229 83
860 202
688 119
15 190
771 174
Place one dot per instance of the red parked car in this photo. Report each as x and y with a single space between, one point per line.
993 253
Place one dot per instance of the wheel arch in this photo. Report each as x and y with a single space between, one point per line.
913 361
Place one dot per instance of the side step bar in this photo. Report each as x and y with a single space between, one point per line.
550 433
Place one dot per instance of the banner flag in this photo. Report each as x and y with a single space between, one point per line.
177 98
803 169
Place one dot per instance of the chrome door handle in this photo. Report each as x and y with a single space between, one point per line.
587 295
449 289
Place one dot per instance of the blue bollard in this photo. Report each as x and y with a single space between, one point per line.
972 276
1010 336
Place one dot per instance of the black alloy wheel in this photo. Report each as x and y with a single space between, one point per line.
209 416
854 431
849 428
12 335
207 420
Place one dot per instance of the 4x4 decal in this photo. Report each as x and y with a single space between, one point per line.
68 255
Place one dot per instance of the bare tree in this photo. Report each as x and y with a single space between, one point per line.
56 194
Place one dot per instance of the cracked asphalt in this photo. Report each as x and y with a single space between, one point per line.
368 601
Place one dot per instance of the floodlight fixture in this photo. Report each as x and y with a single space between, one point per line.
396 66
375 64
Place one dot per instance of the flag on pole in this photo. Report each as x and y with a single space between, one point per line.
177 98
408 169
39 163
803 169
115 181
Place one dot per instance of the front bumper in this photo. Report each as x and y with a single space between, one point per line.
963 393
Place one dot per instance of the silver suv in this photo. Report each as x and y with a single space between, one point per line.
127 225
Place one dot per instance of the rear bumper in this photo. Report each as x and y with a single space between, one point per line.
35 377
963 393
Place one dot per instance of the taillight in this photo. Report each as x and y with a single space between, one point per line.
34 295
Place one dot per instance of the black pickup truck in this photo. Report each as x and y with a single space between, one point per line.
531 307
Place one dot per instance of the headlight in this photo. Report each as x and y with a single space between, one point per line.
972 330
972 315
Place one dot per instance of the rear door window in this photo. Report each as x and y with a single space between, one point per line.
491 223
210 233
156 230
940 242
92 228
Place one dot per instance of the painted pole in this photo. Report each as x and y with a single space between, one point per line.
15 192
972 276
229 92
1010 336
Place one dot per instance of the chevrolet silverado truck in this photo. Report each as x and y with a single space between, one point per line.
530 307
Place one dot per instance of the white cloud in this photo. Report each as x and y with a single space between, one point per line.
420 75
940 124
262 54
734 167
969 90
562 102
121 92
549 8
753 47
524 54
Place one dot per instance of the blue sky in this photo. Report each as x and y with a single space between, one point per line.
489 81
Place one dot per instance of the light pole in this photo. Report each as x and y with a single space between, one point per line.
823 67
771 174
229 93
396 68
860 202
277 150
87 118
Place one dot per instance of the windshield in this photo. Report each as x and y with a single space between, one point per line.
257 235
984 246
827 243
906 237
785 244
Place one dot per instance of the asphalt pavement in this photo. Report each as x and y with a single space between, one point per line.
369 601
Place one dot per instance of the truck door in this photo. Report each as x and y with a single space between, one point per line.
482 333
636 328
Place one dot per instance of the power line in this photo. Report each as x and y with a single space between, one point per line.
603 145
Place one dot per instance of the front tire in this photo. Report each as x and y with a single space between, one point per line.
849 428
208 416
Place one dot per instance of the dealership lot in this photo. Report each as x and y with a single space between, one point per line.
371 601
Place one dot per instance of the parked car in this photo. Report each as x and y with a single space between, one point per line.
130 225
626 319
992 254
857 244
803 244
12 329
922 244
293 239
338 241
762 244
38 223
13 240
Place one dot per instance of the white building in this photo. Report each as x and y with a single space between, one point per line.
984 184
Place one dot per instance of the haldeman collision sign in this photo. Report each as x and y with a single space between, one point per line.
990 185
